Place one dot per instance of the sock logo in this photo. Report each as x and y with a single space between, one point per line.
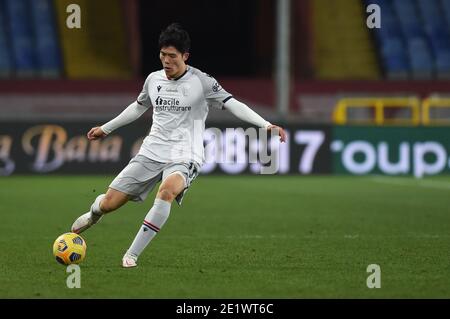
151 226
145 229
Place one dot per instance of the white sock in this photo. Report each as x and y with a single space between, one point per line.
96 212
153 222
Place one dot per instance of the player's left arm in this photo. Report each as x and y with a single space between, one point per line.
243 112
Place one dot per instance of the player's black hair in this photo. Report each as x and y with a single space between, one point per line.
174 35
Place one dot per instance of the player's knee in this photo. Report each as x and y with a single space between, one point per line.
108 204
105 206
166 195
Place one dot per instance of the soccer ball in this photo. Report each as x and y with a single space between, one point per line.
69 248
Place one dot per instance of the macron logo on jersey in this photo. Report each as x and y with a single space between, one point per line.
170 105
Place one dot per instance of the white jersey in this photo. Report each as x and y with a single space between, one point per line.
180 108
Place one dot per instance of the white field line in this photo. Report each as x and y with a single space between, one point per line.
413 183
318 236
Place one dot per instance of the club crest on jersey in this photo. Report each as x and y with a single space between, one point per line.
159 87
185 89
216 87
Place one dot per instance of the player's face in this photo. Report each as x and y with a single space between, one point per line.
173 61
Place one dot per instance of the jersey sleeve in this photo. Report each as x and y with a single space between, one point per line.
215 94
144 96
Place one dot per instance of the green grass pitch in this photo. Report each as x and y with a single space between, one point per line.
236 237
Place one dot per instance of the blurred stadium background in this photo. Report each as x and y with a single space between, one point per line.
356 101
312 62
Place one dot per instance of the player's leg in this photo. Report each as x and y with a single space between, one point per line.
112 200
103 204
156 217
176 179
138 177
173 185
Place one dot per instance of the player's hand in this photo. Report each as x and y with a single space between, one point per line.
280 130
95 133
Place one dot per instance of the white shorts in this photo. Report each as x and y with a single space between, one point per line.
141 175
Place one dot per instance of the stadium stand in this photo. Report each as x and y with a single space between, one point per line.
390 43
28 41
414 40
5 55
100 51
45 40
418 51
446 11
438 33
21 38
101 66
348 53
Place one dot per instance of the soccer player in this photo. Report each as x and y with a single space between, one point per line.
180 96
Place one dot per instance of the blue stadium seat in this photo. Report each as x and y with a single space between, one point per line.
437 30
434 21
388 20
446 11
414 38
47 48
5 54
443 64
432 13
394 57
408 17
419 52
389 38
21 38
422 64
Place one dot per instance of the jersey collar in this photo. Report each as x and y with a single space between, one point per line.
184 73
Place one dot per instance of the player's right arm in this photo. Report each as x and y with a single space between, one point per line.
95 133
130 114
